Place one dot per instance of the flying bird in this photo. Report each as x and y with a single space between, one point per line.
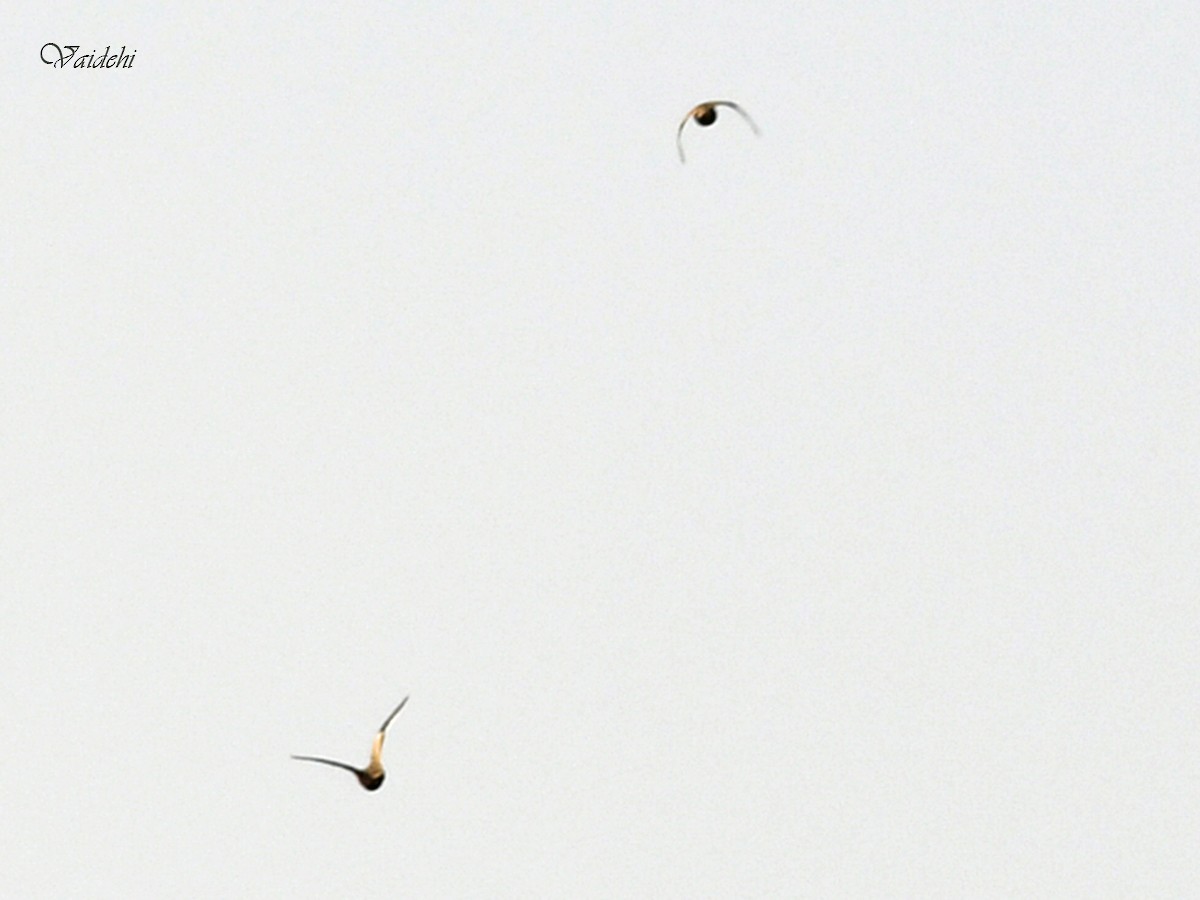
372 776
705 114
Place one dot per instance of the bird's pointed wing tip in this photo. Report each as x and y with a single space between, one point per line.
392 714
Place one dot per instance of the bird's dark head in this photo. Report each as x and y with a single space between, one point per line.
706 116
370 782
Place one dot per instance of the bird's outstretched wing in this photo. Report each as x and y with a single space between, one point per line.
328 762
376 764
741 112
679 136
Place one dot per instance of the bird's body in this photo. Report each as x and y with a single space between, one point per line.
705 114
373 775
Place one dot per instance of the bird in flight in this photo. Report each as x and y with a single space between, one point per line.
705 114
372 776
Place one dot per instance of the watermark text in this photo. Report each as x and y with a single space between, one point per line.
63 56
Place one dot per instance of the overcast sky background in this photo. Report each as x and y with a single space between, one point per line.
817 518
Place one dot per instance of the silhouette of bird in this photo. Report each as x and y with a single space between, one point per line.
705 114
372 776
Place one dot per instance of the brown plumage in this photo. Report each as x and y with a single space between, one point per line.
372 776
705 114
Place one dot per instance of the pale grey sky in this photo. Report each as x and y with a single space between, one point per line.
817 518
